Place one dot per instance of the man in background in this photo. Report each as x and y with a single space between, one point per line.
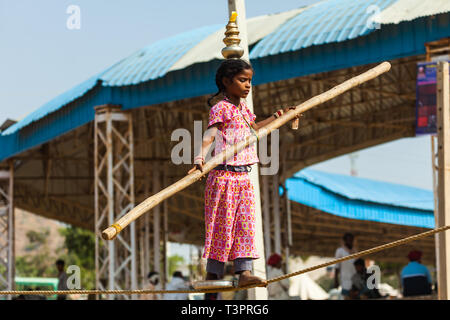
277 290
62 279
416 279
345 270
177 283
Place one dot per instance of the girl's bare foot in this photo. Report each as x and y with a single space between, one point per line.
246 279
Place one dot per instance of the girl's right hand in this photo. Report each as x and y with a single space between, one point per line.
198 166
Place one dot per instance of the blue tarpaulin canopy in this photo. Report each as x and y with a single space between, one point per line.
362 199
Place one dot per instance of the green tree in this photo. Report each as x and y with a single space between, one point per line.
79 245
38 264
174 262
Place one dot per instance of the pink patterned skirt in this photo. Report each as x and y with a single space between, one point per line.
229 216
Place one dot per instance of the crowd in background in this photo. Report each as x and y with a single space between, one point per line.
350 276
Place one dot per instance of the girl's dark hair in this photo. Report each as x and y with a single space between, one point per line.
228 69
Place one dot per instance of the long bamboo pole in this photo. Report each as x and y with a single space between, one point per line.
112 231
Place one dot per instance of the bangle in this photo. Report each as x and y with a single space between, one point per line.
278 113
199 158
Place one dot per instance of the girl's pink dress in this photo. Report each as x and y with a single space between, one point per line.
229 196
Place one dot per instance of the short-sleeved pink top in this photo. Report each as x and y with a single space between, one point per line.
233 129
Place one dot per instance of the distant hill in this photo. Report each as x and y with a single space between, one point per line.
26 222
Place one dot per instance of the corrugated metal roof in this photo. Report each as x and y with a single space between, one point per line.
324 22
362 199
407 10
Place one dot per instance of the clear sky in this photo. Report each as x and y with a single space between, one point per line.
41 58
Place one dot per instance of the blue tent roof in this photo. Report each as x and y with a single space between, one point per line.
362 199
325 22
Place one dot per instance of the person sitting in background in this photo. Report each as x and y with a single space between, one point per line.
359 288
154 283
177 283
415 277
277 290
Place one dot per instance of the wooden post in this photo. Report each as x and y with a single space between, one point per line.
156 221
435 172
276 214
147 229
443 133
266 212
142 254
288 228
165 232
259 265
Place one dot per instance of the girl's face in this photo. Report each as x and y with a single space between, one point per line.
240 85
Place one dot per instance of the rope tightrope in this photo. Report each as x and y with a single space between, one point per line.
289 275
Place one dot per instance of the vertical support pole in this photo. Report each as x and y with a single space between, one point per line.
7 257
130 204
110 199
288 228
434 169
142 254
266 213
165 230
276 213
443 133
259 265
115 261
147 228
98 216
156 220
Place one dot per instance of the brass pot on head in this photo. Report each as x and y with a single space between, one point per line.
232 40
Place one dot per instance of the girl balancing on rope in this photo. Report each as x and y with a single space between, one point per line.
229 193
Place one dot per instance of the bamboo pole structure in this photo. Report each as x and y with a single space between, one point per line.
112 231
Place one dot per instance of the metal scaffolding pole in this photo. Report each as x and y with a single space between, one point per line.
7 228
115 261
443 189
